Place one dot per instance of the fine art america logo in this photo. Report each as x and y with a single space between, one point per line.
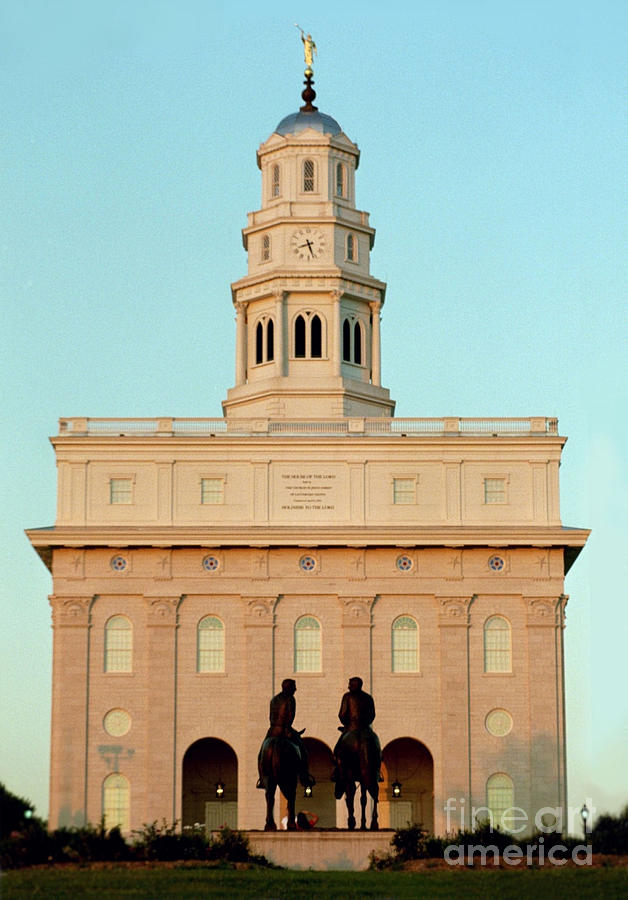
514 820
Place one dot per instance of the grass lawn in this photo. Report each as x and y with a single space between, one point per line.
160 883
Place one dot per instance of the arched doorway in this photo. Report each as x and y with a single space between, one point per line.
322 802
409 763
207 764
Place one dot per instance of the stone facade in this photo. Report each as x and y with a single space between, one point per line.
197 563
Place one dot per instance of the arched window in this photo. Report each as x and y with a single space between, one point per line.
265 248
210 645
307 645
316 338
500 796
116 796
299 337
357 344
270 341
259 343
276 185
346 340
264 341
405 645
497 645
340 180
351 253
308 176
118 645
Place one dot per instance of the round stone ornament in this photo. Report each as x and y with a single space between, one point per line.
117 722
498 722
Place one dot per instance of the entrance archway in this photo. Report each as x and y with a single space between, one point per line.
409 763
322 802
206 764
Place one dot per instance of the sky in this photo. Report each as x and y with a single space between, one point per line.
493 164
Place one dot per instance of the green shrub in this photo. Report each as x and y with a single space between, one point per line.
610 834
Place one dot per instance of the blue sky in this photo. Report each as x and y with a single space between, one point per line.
493 139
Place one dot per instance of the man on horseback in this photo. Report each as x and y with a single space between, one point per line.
282 712
357 753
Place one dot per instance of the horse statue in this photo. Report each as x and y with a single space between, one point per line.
358 754
279 763
282 759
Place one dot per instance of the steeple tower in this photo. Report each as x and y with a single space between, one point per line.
308 311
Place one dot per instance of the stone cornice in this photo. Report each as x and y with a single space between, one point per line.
262 536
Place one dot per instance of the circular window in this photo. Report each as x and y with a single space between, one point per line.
117 722
118 563
404 563
307 563
496 563
498 722
210 563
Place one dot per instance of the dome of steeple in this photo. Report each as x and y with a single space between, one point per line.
304 119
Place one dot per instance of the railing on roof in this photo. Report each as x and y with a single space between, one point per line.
165 427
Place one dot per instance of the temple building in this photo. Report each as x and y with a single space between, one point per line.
306 533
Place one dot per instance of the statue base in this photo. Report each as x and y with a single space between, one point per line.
321 850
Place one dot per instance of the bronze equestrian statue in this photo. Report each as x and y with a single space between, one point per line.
282 758
358 753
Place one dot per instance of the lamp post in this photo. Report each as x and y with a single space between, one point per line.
584 815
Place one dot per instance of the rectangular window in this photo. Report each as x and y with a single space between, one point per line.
404 490
212 491
120 490
494 490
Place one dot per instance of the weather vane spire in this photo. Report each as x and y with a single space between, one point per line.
309 49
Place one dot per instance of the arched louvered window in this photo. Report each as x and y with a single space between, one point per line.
316 338
346 340
276 184
500 797
118 645
259 343
357 344
308 176
270 341
340 180
405 645
299 337
307 645
265 248
351 248
116 802
497 645
210 645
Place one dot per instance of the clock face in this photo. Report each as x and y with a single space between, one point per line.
308 243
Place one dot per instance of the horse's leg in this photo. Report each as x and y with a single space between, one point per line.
374 792
349 799
363 799
290 793
270 806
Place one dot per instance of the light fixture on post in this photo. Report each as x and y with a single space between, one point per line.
584 815
308 790
396 789
220 789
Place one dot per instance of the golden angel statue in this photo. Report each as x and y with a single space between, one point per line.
309 47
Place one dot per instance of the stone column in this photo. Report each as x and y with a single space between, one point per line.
356 631
259 687
281 354
376 364
452 772
241 343
336 337
161 752
545 622
69 795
